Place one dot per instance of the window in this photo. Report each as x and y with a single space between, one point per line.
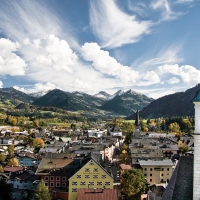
51 178
91 163
63 178
150 174
46 178
87 169
87 176
103 176
150 169
107 183
150 180
161 180
145 174
63 184
162 169
82 183
57 184
162 174
74 189
95 176
95 170
57 178
74 183
167 169
78 176
99 183
54 193
91 183
145 169
51 184
46 184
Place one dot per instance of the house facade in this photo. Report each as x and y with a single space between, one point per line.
91 175
157 171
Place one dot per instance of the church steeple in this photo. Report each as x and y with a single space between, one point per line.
137 125
137 119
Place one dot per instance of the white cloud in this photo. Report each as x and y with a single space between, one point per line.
104 63
10 63
1 84
165 8
173 80
82 85
38 87
189 74
50 53
113 27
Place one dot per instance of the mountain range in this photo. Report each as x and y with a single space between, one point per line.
101 105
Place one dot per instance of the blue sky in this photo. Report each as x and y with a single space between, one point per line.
149 46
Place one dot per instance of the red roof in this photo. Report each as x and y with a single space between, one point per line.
97 194
12 169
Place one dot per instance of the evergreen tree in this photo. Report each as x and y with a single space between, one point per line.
42 192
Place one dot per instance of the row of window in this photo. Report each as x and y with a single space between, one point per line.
94 176
88 170
160 180
56 185
151 174
46 178
145 169
90 183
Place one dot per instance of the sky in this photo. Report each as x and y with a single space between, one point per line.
149 46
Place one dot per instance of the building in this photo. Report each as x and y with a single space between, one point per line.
55 169
196 181
157 171
93 174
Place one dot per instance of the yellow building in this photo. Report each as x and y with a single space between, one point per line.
92 174
157 171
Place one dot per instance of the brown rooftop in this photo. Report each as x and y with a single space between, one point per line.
125 167
97 194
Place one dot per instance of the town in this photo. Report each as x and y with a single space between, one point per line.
98 163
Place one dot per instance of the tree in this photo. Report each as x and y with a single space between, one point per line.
174 127
10 150
2 157
40 142
42 192
133 183
1 169
6 190
13 162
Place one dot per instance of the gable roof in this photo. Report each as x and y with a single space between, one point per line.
97 159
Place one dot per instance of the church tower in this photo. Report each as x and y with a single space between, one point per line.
196 170
137 125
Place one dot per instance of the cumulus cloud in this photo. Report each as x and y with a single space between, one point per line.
50 53
10 63
173 80
79 84
189 74
103 62
114 27
38 87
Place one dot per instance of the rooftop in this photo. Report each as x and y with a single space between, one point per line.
97 194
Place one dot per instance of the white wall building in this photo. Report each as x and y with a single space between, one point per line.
196 171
